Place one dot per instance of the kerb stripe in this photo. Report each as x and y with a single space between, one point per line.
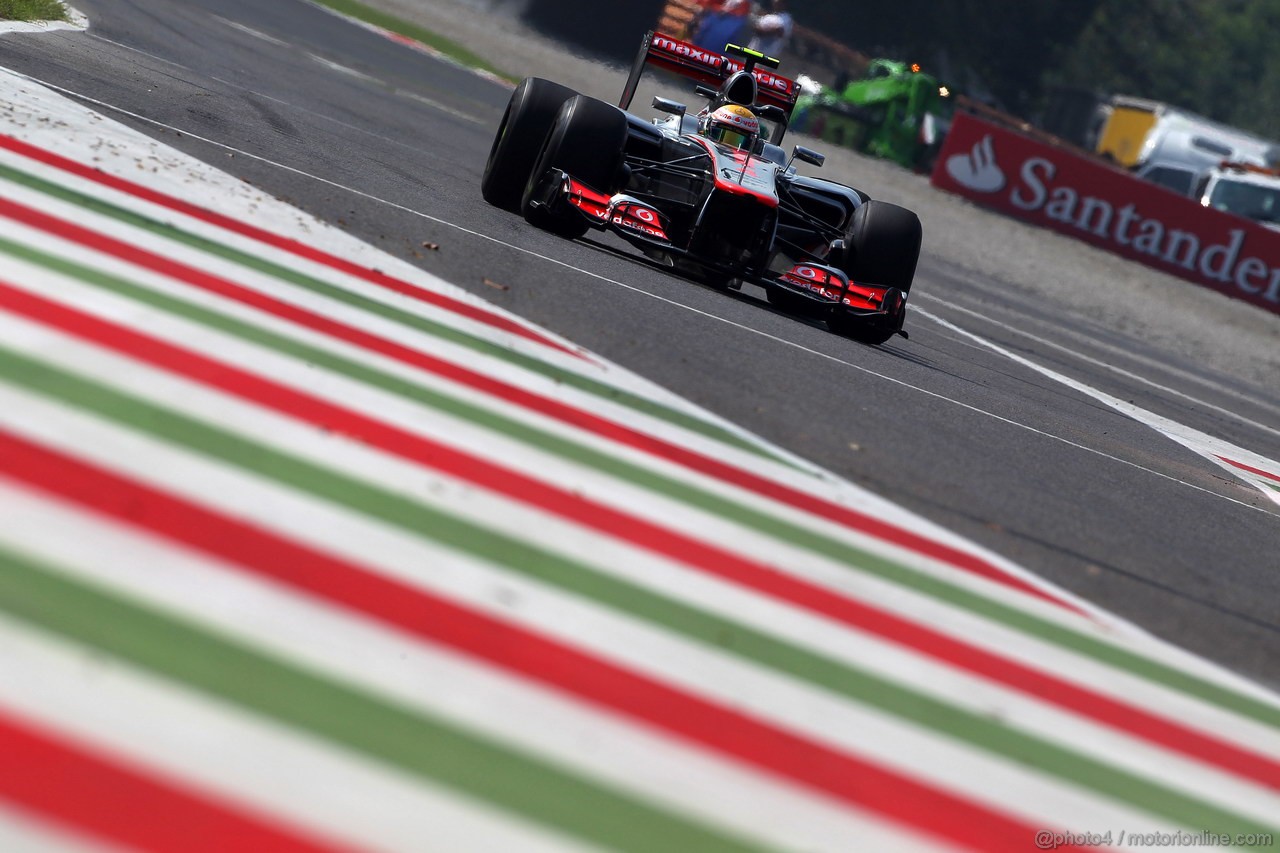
509 482
697 721
244 229
1251 469
347 333
1135 721
796 498
97 795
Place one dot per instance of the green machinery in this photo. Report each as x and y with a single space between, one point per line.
896 112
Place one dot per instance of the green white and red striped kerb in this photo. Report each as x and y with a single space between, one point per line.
297 554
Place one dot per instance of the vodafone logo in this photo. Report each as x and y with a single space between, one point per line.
635 217
820 280
977 170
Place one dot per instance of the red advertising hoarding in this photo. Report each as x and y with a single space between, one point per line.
1091 201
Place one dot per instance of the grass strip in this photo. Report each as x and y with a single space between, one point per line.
454 51
33 10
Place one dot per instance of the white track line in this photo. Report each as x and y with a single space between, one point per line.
1194 440
1119 371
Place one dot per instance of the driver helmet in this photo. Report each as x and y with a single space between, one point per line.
732 125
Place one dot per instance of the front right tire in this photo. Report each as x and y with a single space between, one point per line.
588 140
530 114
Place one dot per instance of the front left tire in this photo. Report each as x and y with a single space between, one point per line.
882 245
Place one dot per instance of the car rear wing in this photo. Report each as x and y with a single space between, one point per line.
711 69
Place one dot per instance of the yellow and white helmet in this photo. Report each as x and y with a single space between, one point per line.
732 125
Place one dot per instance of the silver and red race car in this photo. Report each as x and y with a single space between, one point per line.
712 195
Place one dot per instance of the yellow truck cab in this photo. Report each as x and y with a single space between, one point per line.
1126 123
1172 147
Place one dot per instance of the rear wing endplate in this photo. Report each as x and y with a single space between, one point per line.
710 69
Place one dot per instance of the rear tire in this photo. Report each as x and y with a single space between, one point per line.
883 246
530 113
587 140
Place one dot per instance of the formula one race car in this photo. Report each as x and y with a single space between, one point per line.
712 195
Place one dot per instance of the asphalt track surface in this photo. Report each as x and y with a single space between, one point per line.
390 144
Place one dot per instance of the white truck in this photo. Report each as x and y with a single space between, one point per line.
1243 189
1173 147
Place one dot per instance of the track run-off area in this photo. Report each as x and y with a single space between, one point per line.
304 547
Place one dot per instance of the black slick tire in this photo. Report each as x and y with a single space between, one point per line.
587 141
882 246
530 113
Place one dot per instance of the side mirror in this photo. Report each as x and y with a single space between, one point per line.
667 106
706 91
808 155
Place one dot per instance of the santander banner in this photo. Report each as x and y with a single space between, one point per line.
1055 188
